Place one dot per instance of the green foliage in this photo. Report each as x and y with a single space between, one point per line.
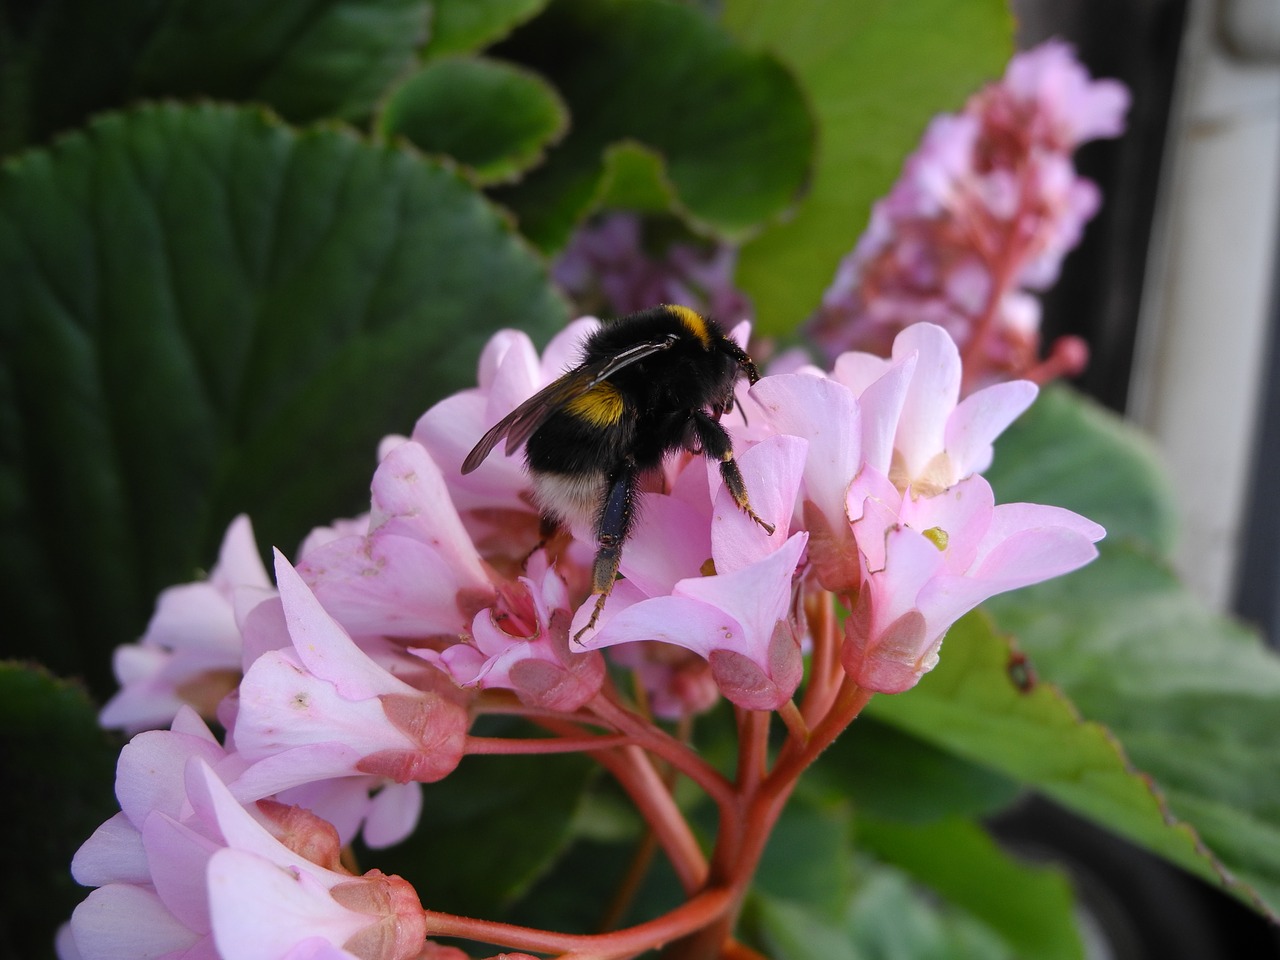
466 26
970 706
1068 451
58 769
493 117
307 59
1193 697
890 774
888 919
875 72
197 306
497 823
993 905
731 126
1029 907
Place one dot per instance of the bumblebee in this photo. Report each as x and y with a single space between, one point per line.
649 384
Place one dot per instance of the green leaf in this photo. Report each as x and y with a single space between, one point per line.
1194 697
203 312
1070 452
732 126
495 118
58 766
1030 907
790 931
888 919
306 58
875 72
466 26
971 705
890 774
496 824
809 855
635 178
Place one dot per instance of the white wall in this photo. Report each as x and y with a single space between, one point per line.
1208 296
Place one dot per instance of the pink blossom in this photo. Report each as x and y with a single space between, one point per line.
202 876
191 650
928 560
522 644
416 572
989 204
324 708
738 620
677 682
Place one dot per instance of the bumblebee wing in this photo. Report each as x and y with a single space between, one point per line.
602 370
520 424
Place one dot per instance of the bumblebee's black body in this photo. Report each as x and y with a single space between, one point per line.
649 384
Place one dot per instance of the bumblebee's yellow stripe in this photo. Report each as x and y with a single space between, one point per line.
693 322
601 406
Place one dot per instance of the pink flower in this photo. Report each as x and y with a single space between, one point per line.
187 870
416 572
990 203
737 618
190 653
522 644
324 708
940 439
929 560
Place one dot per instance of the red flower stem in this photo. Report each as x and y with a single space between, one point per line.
792 762
753 748
633 770
824 663
662 744
514 708
796 725
525 745
635 773
742 840
733 950
689 916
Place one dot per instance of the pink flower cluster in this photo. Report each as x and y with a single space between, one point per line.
608 267
985 210
361 671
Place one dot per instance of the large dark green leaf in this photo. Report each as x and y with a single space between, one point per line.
889 918
875 71
809 858
57 767
893 775
1193 697
203 312
1029 906
492 117
732 126
490 829
306 58
973 705
465 26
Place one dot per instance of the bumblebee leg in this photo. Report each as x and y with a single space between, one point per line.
549 528
717 445
611 532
